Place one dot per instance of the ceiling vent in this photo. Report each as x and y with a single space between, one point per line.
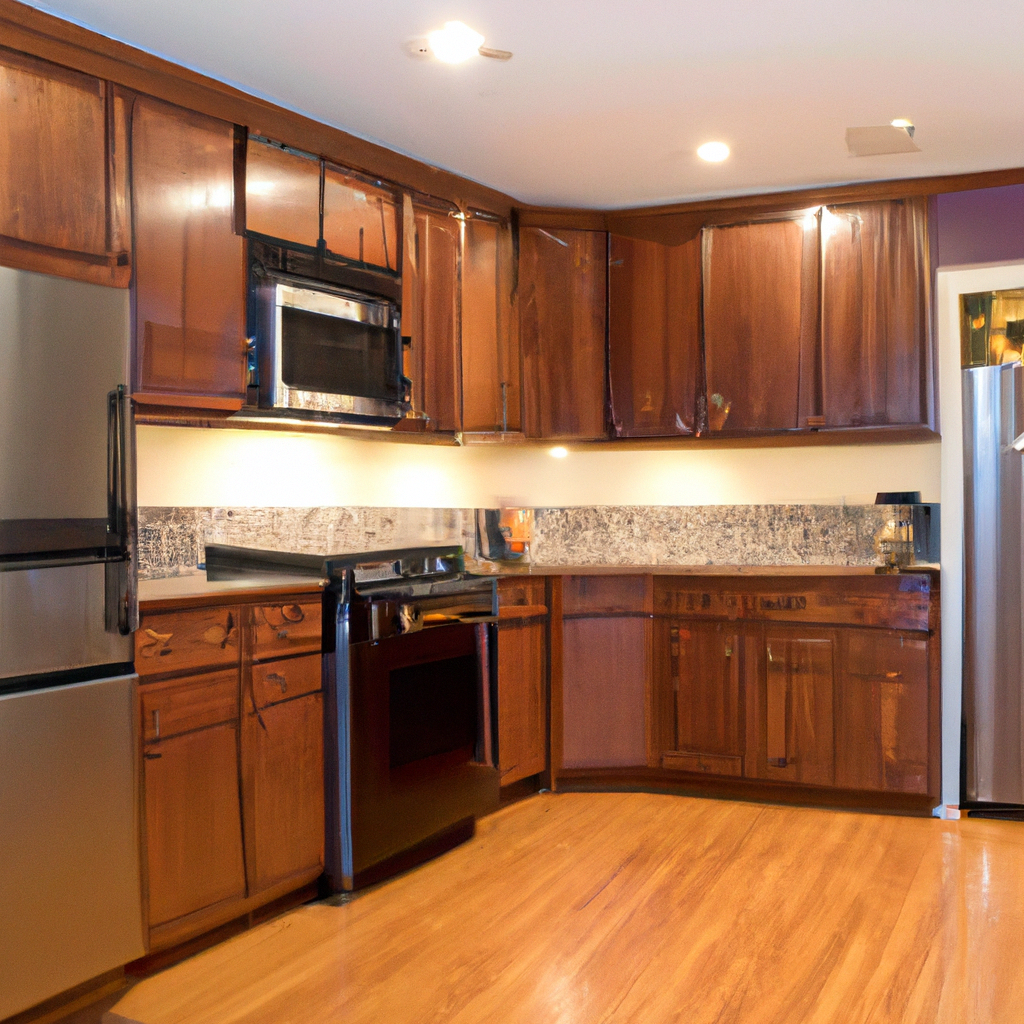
881 140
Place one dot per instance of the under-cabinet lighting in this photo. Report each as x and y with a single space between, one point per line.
558 452
455 43
713 152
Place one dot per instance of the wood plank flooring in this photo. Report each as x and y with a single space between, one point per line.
614 908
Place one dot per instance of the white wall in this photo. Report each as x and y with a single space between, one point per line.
190 466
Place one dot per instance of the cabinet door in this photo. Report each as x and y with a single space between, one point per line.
653 336
63 161
430 304
563 288
283 763
798 726
189 264
761 324
491 375
193 822
282 194
522 680
360 219
874 313
704 659
882 712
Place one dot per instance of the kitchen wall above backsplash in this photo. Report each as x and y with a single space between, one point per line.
171 540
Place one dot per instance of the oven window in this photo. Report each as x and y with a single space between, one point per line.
433 709
337 356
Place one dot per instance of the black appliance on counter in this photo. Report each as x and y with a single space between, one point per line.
408 695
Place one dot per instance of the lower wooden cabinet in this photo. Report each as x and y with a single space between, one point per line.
233 778
522 639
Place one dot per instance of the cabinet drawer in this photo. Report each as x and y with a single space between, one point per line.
176 706
287 628
708 764
607 595
280 680
182 641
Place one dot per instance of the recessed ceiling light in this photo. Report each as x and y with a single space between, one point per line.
455 43
558 452
713 152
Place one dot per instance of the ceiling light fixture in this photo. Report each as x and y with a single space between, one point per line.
455 43
713 152
902 122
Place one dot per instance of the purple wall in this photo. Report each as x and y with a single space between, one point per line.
983 226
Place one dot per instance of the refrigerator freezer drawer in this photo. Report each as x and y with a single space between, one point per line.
70 897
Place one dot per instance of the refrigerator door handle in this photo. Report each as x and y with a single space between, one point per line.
122 600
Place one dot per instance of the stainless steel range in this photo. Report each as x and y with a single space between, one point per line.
408 687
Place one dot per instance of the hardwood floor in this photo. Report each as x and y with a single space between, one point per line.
587 908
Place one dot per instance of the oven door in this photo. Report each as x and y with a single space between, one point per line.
331 353
418 743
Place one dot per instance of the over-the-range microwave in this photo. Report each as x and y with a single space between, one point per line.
326 352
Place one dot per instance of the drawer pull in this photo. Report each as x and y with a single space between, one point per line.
282 634
152 757
276 677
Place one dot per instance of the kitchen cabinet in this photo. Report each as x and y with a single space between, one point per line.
563 287
233 784
654 336
760 293
606 665
522 678
876 357
699 663
882 740
190 345
797 722
491 372
361 219
63 172
430 314
282 194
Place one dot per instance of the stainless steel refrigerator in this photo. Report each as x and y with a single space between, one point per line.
70 900
993 704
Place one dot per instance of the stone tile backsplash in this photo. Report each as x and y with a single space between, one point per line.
172 540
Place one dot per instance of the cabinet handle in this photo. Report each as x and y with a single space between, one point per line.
276 677
156 724
282 634
152 757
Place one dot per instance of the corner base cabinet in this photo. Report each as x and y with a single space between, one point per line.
820 689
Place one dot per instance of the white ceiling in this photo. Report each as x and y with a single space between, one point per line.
605 102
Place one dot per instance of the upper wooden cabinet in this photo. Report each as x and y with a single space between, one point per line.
360 219
282 194
63 172
761 324
430 314
874 314
563 287
189 263
491 375
653 336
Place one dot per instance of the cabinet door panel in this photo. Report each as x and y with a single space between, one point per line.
53 156
360 219
799 741
193 822
189 263
285 759
430 283
282 194
491 375
653 336
709 709
874 315
761 324
882 714
522 703
562 302
604 684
